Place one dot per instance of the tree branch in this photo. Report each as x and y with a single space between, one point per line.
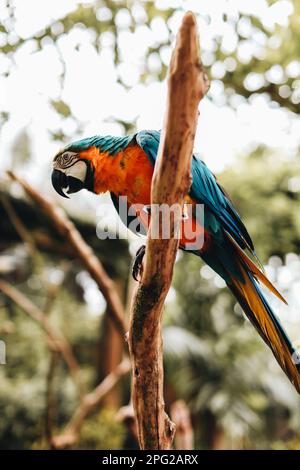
187 85
71 434
84 252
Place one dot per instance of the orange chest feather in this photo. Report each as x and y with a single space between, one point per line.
127 173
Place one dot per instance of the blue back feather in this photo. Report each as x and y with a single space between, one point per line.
107 143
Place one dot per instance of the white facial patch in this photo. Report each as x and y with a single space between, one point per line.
77 170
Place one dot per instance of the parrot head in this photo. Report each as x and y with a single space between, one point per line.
71 173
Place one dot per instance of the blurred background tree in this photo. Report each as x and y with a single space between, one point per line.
75 68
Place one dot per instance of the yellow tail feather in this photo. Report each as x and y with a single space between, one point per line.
257 273
260 318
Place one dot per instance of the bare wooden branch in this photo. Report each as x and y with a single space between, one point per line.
71 434
58 341
187 85
84 252
180 414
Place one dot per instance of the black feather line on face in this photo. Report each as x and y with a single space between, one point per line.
64 165
74 185
89 179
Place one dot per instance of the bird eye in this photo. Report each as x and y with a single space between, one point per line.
66 159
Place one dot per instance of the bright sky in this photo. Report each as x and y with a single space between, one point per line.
95 96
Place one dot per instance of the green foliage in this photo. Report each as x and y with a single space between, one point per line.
272 49
293 444
24 377
21 150
269 200
102 432
245 65
61 107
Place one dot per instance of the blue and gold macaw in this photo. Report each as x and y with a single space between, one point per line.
124 167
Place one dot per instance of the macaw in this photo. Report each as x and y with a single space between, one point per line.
124 167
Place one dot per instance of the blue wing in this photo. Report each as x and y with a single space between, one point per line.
149 141
205 190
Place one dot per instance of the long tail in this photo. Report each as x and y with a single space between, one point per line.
259 312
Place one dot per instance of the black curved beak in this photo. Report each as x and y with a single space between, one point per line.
59 182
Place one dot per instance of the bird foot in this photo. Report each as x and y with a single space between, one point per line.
137 268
